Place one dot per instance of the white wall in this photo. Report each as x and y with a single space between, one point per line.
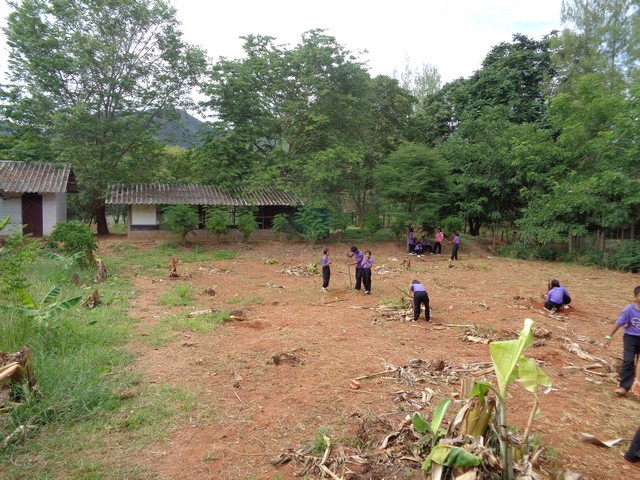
143 215
61 206
13 208
49 213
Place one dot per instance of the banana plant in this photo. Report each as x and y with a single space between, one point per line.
509 365
446 455
67 262
49 308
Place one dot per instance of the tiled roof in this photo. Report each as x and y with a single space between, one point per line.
36 177
159 194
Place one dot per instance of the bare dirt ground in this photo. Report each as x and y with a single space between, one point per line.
251 408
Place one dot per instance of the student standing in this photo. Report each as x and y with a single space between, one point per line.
367 263
420 297
437 246
357 257
557 296
456 246
630 320
410 240
326 270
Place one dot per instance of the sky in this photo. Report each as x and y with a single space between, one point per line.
452 36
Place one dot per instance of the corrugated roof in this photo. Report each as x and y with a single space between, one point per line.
161 194
36 177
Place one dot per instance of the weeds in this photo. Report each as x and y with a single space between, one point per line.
180 295
245 301
201 323
318 442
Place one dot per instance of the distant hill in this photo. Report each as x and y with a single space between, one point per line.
185 131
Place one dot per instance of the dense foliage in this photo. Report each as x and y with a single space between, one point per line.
541 140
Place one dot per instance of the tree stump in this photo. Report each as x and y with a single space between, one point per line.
173 267
93 300
102 272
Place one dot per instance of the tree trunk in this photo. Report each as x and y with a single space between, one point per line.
570 243
100 212
474 228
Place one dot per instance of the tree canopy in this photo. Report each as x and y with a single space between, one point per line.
92 77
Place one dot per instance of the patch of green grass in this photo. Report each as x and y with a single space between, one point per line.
180 295
210 457
318 443
245 301
224 255
200 323
270 261
395 303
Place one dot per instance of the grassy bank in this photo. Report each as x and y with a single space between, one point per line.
91 412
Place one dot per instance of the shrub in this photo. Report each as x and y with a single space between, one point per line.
314 223
453 224
627 258
282 224
16 259
384 235
180 219
73 237
217 221
372 223
247 224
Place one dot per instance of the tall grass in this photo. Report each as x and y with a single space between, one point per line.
88 403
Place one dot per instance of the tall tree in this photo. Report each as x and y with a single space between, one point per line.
307 118
604 38
95 75
414 180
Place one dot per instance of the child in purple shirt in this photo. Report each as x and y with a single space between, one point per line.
630 320
420 297
410 240
557 296
357 256
456 246
367 263
326 270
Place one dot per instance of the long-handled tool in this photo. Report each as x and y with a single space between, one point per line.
350 283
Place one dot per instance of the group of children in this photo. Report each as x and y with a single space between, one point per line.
423 247
557 297
363 264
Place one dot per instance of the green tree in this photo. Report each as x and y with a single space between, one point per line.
309 119
247 224
95 76
180 219
414 179
480 153
217 221
604 39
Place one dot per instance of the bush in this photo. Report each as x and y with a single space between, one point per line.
372 223
247 224
217 221
526 251
314 223
73 237
282 224
452 224
180 219
384 235
627 258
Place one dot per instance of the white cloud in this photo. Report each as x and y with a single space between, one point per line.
453 36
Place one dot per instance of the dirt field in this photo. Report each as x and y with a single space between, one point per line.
252 408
